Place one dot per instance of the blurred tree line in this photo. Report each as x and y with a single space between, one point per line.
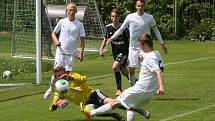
193 19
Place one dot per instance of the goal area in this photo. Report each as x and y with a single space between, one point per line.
24 26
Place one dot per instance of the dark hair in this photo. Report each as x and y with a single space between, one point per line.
59 68
146 39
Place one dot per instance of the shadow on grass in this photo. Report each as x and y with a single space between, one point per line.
17 97
91 120
96 84
176 99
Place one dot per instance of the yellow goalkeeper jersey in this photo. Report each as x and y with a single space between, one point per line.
79 91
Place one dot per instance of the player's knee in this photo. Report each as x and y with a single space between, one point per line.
115 104
115 68
124 71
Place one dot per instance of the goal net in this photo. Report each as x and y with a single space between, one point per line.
24 45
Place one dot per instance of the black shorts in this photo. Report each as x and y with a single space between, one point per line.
96 98
122 59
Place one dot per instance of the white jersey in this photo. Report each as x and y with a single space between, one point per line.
137 26
70 32
148 81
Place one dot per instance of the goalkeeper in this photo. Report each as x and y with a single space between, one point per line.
79 92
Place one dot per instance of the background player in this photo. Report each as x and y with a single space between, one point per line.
138 23
119 49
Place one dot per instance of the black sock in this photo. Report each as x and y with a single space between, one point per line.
121 107
118 80
113 115
127 76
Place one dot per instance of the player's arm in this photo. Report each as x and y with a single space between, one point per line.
82 46
53 106
55 32
159 74
55 39
103 45
58 102
158 35
78 78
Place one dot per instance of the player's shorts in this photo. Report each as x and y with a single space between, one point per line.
133 97
122 59
64 60
96 98
133 57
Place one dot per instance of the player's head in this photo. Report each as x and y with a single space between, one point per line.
146 39
59 71
62 86
140 6
71 10
115 16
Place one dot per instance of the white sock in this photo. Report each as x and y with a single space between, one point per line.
130 116
132 80
102 110
52 83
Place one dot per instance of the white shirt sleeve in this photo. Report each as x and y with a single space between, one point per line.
58 27
152 64
121 29
153 22
157 33
82 31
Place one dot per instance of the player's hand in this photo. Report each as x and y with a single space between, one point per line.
101 52
160 91
164 49
58 44
64 76
62 103
80 57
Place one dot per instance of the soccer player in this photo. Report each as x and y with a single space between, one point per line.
138 23
119 49
150 81
70 30
79 92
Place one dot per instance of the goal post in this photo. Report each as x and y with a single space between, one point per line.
38 43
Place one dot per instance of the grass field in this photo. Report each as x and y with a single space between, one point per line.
189 88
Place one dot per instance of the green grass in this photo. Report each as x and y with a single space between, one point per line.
189 88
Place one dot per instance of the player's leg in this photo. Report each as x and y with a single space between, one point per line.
133 63
143 112
130 115
118 78
123 65
51 87
124 71
58 62
131 98
132 77
101 101
116 116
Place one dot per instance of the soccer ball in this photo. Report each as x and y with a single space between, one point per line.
7 74
62 86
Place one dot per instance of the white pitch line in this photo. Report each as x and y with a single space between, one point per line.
188 113
5 89
102 76
189 60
